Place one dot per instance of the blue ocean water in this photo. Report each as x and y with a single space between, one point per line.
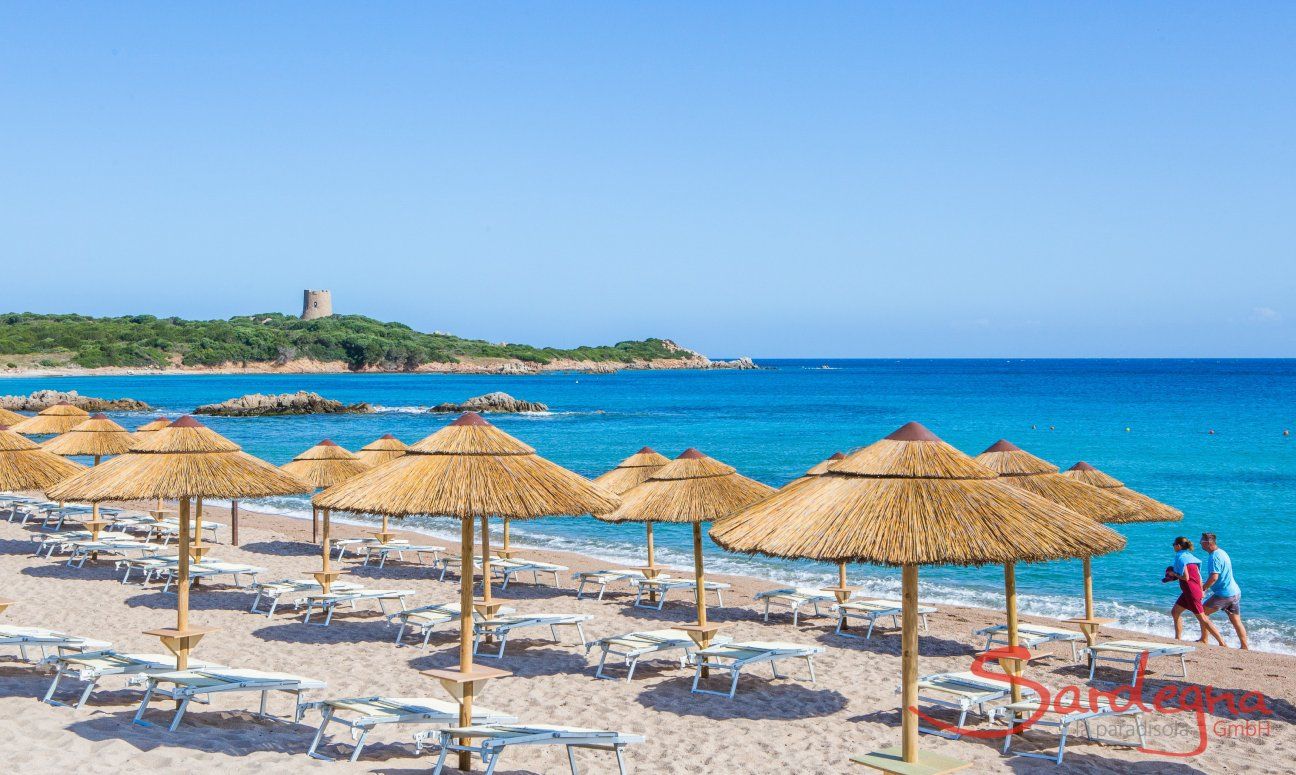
1239 482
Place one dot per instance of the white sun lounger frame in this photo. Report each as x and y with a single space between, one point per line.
496 738
383 551
426 620
506 569
735 657
276 590
82 550
662 586
1063 722
793 598
1134 649
36 637
189 684
357 544
81 667
1032 636
962 692
208 569
328 603
376 711
871 610
634 646
603 578
502 626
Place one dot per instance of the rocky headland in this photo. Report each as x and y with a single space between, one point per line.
301 402
43 399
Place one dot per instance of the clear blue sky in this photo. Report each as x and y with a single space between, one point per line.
798 179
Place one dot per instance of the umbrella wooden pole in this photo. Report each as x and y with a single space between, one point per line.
697 570
652 563
465 632
841 575
326 580
1010 593
1088 589
234 522
182 591
486 564
651 570
196 534
506 551
908 663
314 525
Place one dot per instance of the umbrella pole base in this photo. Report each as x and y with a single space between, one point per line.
926 763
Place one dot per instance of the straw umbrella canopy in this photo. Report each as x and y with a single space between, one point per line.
1020 468
8 418
152 426
381 450
52 420
693 488
842 591
468 470
321 466
97 437
184 460
1145 509
24 465
908 500
630 473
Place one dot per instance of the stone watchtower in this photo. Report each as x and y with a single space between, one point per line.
316 304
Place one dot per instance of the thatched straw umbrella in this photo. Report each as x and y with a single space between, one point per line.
24 465
1020 468
468 470
97 437
908 500
153 426
183 461
381 450
1145 509
841 591
8 418
322 466
52 420
630 473
693 489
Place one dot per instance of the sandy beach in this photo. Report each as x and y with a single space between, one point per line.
782 726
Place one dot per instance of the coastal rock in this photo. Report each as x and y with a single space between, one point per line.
43 399
492 402
301 402
742 363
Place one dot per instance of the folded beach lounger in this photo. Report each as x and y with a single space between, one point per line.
422 552
1032 636
293 589
734 657
662 585
870 610
327 603
1063 720
964 692
603 578
210 568
188 684
506 569
90 666
502 625
374 711
26 638
495 738
357 545
634 646
793 598
1129 652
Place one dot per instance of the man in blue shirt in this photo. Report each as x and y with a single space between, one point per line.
1225 594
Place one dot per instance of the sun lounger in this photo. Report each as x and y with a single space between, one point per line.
374 711
327 603
502 625
424 620
495 739
119 546
603 578
148 566
210 568
40 638
661 586
188 684
90 666
49 543
635 646
735 657
341 545
294 589
1062 720
794 598
506 569
872 610
1032 636
384 551
1129 652
964 692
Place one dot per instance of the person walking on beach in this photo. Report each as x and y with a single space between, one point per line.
1187 571
1225 594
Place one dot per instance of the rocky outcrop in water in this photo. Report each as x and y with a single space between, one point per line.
43 399
492 402
301 402
743 363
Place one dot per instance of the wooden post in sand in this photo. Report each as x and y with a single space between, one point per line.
314 524
697 570
1088 588
234 539
908 663
326 575
505 551
1012 665
485 607
182 588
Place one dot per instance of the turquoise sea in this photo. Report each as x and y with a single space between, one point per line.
1239 482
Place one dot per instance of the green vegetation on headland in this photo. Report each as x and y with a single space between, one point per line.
360 342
